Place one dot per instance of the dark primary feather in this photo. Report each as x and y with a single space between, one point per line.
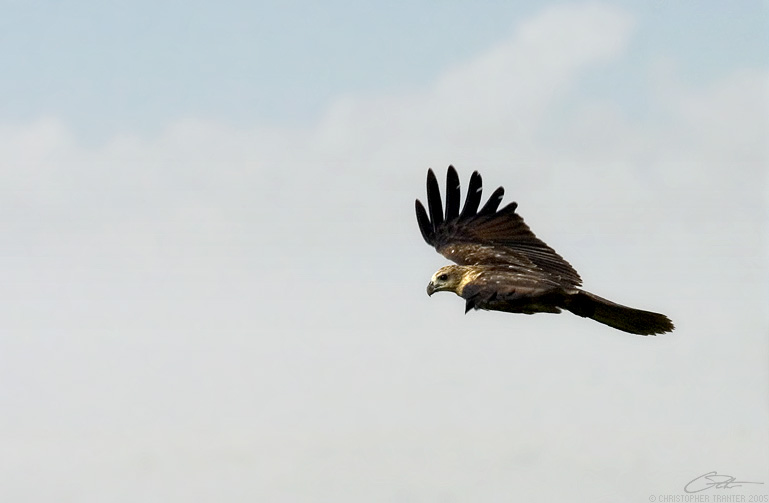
488 236
434 200
493 203
473 199
453 195
425 227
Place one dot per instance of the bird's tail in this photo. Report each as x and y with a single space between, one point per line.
623 318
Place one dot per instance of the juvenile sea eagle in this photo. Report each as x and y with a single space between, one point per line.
503 266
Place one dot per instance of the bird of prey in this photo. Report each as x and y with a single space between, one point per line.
503 266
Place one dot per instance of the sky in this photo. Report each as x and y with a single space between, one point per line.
214 284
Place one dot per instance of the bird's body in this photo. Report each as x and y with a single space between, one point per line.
503 266
500 288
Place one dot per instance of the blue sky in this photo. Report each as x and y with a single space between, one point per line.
213 284
133 67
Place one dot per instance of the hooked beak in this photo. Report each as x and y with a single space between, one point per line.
430 288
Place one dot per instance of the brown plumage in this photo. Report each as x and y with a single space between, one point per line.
503 266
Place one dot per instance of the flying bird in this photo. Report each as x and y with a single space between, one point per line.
503 266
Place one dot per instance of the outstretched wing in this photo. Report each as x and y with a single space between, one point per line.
488 235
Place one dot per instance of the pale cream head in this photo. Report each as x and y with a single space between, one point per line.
447 278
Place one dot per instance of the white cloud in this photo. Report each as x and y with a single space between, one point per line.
164 296
495 100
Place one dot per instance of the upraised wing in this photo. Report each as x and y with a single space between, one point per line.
488 235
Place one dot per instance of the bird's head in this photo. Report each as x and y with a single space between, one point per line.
447 278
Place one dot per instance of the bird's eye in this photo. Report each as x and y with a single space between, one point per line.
443 277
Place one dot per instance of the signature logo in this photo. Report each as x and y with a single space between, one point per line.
715 480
